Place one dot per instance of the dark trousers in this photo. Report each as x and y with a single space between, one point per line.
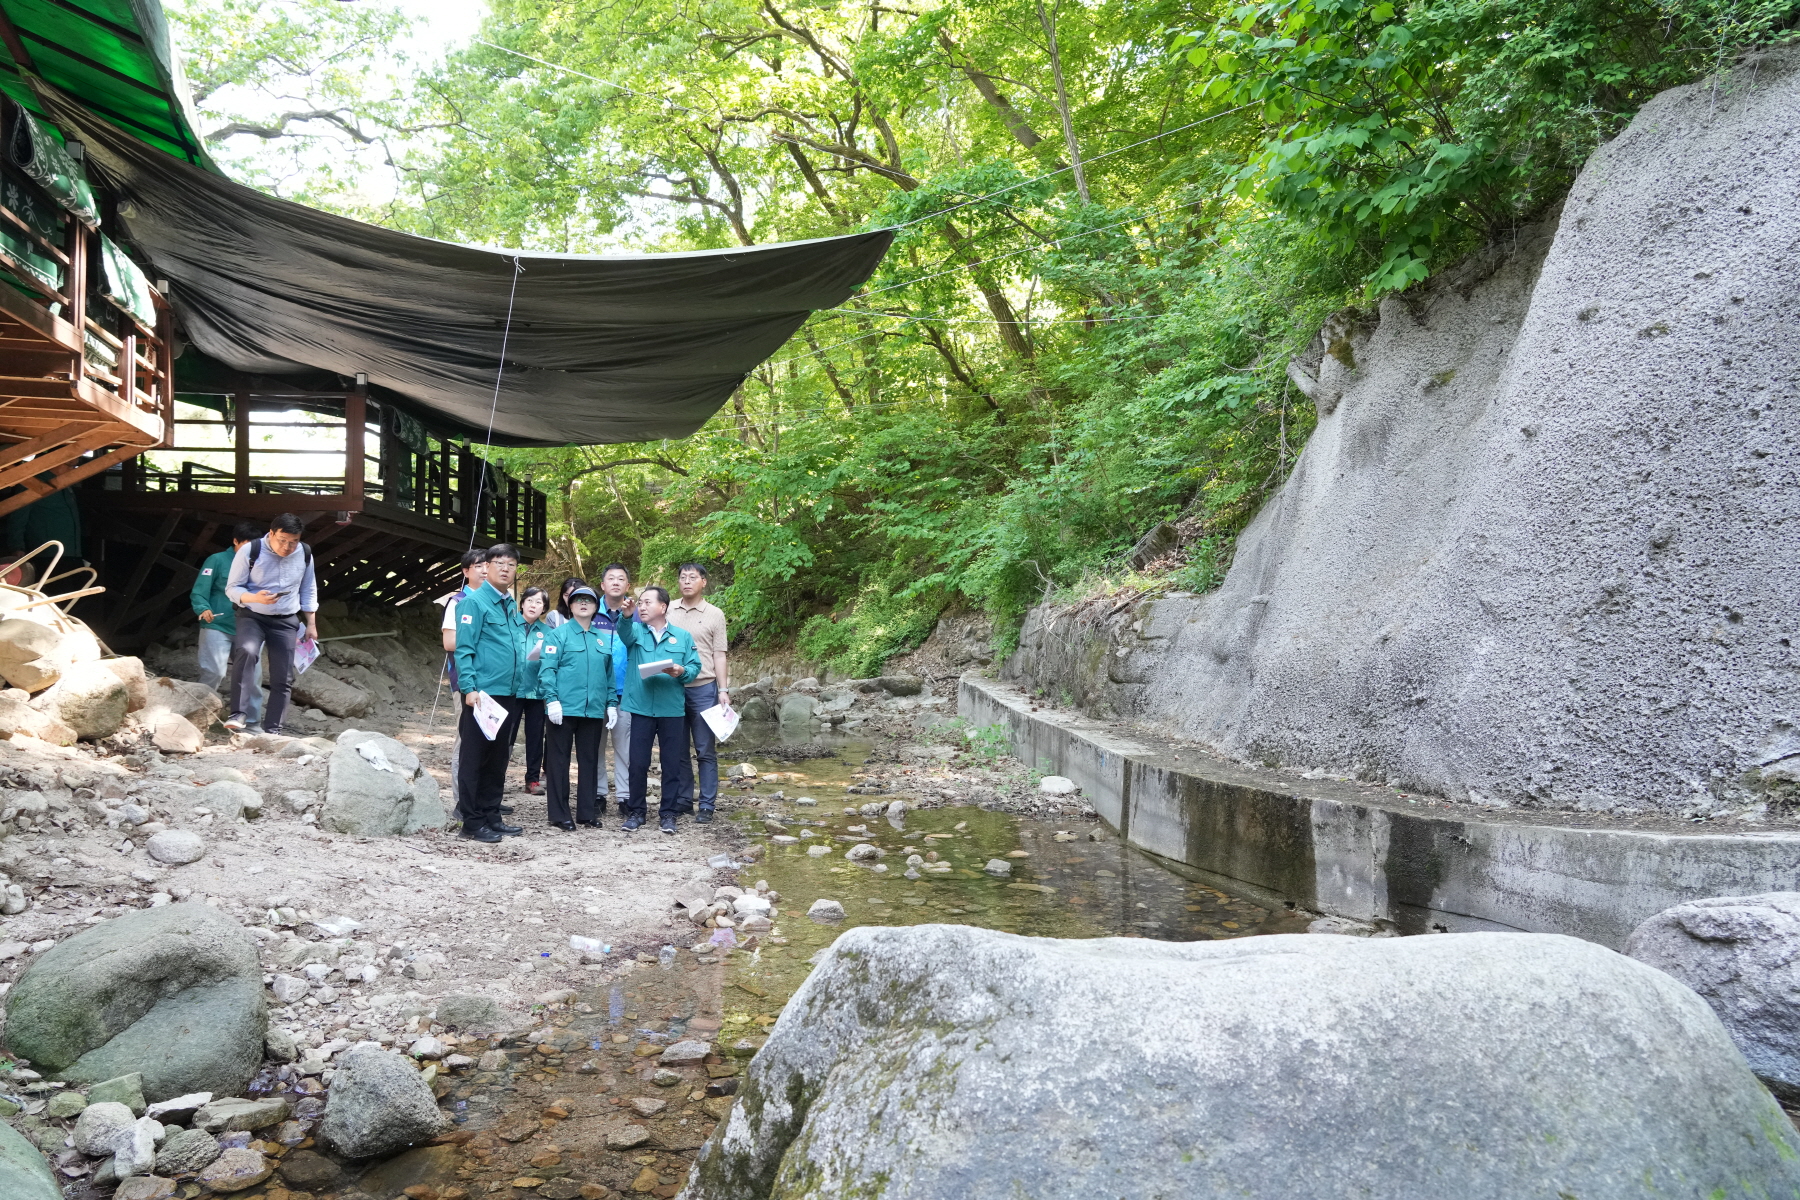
256 633
482 771
531 722
582 734
701 697
668 734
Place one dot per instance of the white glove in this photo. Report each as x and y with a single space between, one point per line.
612 717
553 710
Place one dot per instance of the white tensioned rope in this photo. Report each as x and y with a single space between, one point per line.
481 480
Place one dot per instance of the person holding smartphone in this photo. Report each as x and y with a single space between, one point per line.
275 592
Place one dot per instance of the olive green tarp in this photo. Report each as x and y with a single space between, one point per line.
598 348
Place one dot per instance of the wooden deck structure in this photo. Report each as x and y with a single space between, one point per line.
387 525
85 382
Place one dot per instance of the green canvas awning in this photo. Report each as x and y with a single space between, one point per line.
115 55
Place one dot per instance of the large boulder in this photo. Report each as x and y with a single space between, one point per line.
131 673
329 694
173 993
196 702
89 698
24 1175
940 1060
1742 955
796 708
375 787
378 1104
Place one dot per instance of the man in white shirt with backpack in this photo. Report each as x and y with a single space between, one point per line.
275 593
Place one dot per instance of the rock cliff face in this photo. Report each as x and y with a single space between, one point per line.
1541 546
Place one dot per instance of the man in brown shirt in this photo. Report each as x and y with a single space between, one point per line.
706 624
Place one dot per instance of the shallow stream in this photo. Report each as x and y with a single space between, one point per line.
583 1108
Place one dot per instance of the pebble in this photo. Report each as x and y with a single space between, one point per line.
863 852
998 866
288 989
176 847
818 851
64 1105
493 1060
665 1077
1056 785
647 1106
685 1054
145 1187
429 1047
236 1170
179 1109
826 910
629 1138
805 801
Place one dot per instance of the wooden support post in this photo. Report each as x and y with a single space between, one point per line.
78 264
128 368
153 552
241 441
356 420
165 368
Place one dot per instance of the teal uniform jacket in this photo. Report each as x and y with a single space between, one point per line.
583 669
535 633
490 644
660 695
209 592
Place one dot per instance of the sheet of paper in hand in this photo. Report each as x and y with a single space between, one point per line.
722 720
646 670
489 715
306 653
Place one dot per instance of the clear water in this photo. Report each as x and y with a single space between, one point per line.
602 1051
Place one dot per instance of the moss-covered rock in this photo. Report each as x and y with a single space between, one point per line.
24 1175
173 994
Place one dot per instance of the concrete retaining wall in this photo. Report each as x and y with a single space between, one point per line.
1358 851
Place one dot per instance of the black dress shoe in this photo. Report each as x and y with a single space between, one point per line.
565 826
506 810
480 834
704 817
594 824
668 824
633 823
508 830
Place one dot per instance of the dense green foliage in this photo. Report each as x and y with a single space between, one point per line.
1083 325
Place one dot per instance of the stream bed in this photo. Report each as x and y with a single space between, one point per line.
584 1107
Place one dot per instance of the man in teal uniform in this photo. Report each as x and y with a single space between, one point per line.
490 662
218 623
658 705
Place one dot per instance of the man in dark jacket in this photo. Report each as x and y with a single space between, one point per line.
490 665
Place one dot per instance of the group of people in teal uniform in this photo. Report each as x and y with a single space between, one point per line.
575 671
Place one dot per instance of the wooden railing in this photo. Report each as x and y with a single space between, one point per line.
441 484
116 350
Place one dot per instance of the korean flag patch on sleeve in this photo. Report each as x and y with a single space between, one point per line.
549 649
206 571
468 619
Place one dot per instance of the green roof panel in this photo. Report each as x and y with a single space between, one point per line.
114 57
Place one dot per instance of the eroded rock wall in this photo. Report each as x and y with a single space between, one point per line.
1541 547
